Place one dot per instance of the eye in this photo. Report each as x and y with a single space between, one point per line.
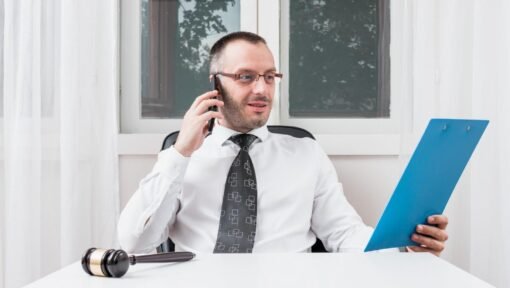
269 77
246 77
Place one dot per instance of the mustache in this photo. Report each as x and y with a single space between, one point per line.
260 98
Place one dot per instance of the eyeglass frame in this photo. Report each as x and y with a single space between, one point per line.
237 76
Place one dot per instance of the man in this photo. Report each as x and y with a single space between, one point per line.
290 194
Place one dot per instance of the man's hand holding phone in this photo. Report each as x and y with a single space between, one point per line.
194 126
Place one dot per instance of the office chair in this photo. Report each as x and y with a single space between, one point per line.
169 246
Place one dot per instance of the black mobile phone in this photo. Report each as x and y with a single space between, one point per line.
215 86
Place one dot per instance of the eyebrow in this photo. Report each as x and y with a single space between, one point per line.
251 70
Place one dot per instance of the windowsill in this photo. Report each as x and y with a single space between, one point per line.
333 144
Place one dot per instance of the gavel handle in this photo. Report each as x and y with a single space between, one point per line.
161 257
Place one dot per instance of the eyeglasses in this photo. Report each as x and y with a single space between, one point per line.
250 77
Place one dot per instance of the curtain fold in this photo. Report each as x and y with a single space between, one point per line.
490 182
459 67
58 152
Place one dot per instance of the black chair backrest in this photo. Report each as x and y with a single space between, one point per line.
169 246
280 129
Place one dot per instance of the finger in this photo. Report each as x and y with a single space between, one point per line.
205 128
418 249
206 104
209 115
433 232
428 242
206 95
441 221
422 249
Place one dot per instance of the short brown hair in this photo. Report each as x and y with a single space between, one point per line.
219 46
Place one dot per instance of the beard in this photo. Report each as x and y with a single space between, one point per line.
232 112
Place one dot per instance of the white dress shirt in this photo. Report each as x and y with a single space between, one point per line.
299 198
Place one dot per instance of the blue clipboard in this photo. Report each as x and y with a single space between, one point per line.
428 180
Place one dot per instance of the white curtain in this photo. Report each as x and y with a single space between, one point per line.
58 129
457 65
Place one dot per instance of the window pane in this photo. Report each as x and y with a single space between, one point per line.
176 37
339 58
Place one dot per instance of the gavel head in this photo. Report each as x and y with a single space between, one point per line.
106 263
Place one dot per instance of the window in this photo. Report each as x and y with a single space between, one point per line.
175 39
164 53
334 55
338 59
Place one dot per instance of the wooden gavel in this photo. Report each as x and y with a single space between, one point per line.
115 263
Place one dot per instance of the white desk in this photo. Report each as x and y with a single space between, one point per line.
280 270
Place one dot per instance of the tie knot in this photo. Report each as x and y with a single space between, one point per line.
243 140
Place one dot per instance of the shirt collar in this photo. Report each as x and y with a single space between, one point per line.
221 134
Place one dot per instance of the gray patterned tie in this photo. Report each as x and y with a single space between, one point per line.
238 219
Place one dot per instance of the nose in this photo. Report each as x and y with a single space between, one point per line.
261 87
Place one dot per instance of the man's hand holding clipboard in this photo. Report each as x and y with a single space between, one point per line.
426 185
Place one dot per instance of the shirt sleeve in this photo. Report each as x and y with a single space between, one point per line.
334 220
143 224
